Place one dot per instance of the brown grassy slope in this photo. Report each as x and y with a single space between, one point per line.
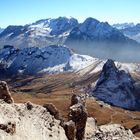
58 89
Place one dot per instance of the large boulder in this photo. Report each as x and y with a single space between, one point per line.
5 93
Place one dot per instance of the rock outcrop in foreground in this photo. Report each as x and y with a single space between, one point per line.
30 124
107 132
34 122
5 93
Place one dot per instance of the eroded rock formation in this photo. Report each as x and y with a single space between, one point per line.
5 94
78 114
70 130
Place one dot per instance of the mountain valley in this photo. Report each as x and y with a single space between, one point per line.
51 63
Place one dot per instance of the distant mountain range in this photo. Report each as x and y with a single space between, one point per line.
133 32
101 40
91 37
61 30
130 30
39 34
123 25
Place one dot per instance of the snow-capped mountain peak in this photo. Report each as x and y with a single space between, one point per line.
44 32
93 30
56 26
88 24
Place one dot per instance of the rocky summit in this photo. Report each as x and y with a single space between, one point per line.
116 87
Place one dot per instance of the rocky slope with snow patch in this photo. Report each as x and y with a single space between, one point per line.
39 34
116 87
97 65
51 59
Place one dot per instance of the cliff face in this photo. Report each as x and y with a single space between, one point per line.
116 87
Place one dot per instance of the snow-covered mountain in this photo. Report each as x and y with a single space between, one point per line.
93 30
1 30
55 31
92 37
129 30
41 33
132 32
123 25
55 26
51 59
99 39
116 87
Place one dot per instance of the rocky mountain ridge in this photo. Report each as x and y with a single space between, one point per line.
123 25
52 60
117 87
92 37
42 33
31 61
56 31
1 30
132 32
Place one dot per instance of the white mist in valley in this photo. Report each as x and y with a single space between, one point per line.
115 51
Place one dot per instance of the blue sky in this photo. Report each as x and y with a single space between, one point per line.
20 12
